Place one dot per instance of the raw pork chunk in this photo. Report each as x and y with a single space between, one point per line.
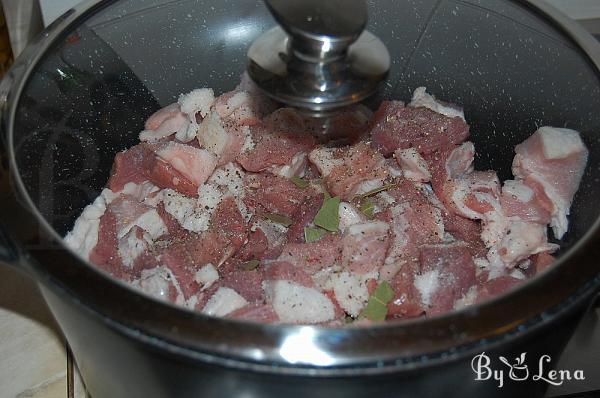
235 207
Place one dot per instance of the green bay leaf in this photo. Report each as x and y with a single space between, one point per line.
376 308
328 216
313 234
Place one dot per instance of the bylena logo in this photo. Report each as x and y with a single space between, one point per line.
519 371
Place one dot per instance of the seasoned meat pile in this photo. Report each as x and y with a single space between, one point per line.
235 207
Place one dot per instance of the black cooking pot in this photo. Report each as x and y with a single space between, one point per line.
80 94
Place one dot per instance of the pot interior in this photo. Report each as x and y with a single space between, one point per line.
87 98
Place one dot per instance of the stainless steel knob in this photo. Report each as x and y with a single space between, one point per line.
319 58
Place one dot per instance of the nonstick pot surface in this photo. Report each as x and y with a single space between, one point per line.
89 94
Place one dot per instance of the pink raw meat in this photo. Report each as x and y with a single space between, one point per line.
450 163
247 283
303 217
495 287
256 312
541 261
194 164
456 274
407 301
396 126
164 175
555 158
256 246
105 254
364 246
360 164
268 193
274 147
225 236
282 270
132 165
520 201
176 231
522 239
163 116
228 222
413 225
314 256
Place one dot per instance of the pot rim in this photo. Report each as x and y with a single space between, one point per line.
383 346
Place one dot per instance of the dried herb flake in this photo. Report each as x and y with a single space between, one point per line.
279 219
299 182
250 265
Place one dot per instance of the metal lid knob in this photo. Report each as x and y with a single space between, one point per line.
320 58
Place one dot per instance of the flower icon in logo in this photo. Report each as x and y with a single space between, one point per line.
519 370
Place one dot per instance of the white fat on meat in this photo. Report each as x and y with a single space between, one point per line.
295 168
383 200
494 225
518 190
188 133
206 276
294 303
224 301
559 143
422 98
197 101
324 160
367 228
193 214
427 284
460 160
236 101
155 282
481 262
193 163
150 221
350 289
249 143
322 277
349 215
555 159
496 266
393 170
400 234
146 192
518 274
469 298
173 121
485 186
130 247
414 167
230 176
368 186
522 240
84 235
275 233
212 135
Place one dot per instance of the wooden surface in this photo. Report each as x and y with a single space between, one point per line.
33 353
